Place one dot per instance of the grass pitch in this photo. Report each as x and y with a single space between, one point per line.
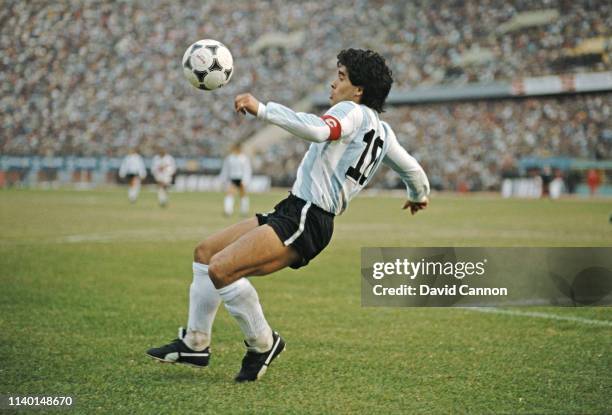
89 282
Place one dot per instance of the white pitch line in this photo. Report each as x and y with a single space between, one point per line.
539 314
119 235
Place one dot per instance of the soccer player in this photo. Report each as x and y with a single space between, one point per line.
349 143
133 168
163 169
237 172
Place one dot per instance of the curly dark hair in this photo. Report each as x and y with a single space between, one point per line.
368 70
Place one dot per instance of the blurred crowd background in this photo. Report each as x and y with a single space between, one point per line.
93 78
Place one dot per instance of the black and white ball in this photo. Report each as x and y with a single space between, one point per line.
208 64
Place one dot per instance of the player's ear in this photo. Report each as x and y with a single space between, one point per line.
358 92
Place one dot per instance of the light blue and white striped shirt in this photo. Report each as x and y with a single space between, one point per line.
349 144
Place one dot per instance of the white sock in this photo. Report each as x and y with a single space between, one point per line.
162 196
244 205
132 193
228 205
203 305
242 302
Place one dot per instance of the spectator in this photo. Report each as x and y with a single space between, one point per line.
593 180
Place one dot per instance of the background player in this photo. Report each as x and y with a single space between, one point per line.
163 169
348 145
133 169
236 172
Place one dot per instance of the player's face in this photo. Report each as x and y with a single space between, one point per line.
342 89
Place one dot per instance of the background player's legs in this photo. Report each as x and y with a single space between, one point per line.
228 202
203 297
244 200
259 252
162 194
134 189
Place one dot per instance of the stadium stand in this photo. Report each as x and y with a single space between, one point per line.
94 79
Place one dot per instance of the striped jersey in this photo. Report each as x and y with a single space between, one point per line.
133 164
349 144
163 168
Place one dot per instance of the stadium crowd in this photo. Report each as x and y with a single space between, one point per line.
95 78
466 144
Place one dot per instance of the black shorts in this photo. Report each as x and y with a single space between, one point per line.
302 225
237 182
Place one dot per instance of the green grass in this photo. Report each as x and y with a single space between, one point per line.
88 283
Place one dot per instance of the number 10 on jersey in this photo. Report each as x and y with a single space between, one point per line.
367 160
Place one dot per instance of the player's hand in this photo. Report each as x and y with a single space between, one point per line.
246 103
416 206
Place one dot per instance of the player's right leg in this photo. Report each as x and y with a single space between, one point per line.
258 252
192 345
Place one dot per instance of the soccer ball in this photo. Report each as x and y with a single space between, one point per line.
208 64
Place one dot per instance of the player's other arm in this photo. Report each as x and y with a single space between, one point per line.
411 173
338 122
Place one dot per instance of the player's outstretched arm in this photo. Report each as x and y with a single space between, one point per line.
310 127
412 175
